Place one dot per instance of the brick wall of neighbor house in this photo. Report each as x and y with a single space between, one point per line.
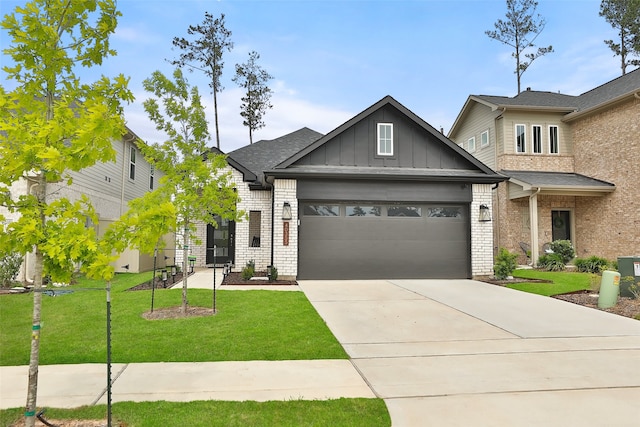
285 257
538 162
607 148
481 233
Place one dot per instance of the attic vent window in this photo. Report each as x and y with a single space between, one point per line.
385 139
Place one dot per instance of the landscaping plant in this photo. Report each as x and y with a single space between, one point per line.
551 262
564 248
593 264
505 264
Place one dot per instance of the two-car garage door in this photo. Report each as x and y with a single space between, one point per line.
370 240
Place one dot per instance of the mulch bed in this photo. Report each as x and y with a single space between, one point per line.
237 279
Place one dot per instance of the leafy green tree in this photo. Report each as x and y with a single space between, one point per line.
50 124
255 102
196 184
205 54
519 30
624 16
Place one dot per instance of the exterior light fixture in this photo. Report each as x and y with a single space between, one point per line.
485 214
286 211
164 277
192 263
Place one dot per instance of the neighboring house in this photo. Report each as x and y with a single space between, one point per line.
572 162
109 186
385 195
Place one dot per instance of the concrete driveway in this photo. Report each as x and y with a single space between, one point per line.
467 353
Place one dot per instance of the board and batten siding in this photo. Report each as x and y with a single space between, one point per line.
529 119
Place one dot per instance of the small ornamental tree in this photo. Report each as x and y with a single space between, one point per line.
50 124
195 184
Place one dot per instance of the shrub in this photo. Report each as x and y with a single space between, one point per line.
593 264
273 273
249 270
9 267
505 264
564 248
551 262
633 287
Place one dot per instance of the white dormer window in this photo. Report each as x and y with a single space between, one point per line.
385 139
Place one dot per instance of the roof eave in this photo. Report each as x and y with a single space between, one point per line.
596 108
295 174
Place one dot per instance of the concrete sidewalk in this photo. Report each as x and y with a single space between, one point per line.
70 386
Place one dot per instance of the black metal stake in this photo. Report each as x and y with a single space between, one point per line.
214 279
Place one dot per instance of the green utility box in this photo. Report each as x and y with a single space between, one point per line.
609 289
628 266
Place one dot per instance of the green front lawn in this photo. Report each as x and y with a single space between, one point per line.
338 412
561 282
249 325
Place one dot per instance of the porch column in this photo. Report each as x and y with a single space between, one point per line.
533 226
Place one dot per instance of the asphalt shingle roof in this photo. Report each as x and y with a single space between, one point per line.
266 154
556 179
622 85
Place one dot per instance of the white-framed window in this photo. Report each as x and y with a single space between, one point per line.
536 138
484 138
554 147
471 144
521 139
132 163
152 170
385 139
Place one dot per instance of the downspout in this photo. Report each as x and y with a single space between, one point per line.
533 226
273 218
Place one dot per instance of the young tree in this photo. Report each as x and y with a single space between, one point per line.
198 188
50 124
520 30
255 102
205 54
624 16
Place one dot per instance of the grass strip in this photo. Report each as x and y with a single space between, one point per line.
561 282
295 413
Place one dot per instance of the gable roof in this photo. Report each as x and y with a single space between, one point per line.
481 172
265 154
573 106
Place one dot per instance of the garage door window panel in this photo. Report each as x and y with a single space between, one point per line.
321 210
404 211
363 211
444 212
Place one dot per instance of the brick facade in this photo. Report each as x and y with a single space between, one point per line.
481 233
607 148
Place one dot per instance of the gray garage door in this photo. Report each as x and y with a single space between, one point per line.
372 240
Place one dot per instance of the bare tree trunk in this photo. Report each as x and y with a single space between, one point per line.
32 387
215 114
185 263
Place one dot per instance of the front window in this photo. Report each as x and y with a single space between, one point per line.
471 144
385 139
537 139
484 138
553 140
152 170
521 146
132 163
255 224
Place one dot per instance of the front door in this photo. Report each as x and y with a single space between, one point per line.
221 238
561 225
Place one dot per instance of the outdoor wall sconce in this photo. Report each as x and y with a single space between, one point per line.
286 211
485 214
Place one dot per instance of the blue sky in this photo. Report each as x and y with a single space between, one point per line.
331 59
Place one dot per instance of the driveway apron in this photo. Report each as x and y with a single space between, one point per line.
468 353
